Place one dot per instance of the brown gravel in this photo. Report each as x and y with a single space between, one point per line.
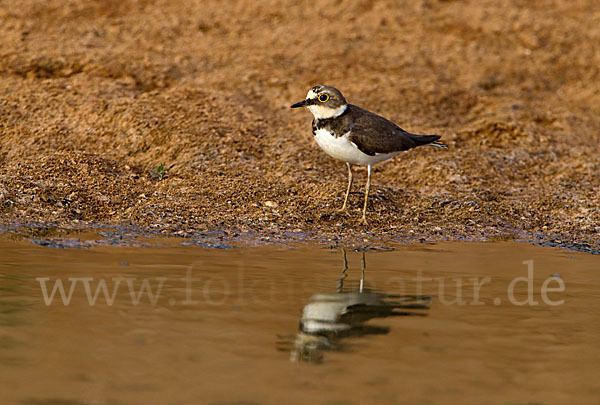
94 95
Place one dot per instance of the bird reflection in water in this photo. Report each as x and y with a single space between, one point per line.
329 318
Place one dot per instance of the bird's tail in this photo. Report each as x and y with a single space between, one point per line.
438 144
431 140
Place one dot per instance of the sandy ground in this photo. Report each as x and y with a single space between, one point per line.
94 95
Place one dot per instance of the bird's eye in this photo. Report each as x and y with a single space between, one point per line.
323 98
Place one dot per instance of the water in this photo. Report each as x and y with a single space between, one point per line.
223 328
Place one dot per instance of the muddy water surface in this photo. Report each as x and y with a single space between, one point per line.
184 325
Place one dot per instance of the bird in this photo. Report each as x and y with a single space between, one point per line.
356 136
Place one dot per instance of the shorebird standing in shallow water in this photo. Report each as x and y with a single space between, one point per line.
356 136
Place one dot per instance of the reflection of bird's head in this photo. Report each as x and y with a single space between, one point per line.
324 102
309 348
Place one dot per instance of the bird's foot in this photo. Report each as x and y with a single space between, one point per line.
363 221
343 210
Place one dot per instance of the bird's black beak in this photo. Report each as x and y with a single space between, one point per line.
302 103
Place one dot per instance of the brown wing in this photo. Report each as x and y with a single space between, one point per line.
374 134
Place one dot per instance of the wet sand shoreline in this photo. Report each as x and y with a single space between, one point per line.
88 235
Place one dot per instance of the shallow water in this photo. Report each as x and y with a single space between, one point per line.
224 325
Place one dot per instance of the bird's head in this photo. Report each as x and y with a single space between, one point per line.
324 102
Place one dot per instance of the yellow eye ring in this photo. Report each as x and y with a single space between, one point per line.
323 97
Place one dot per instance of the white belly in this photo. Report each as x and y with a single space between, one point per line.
342 149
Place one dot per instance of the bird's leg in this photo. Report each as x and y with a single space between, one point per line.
348 189
363 220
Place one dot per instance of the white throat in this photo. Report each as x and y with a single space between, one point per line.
321 112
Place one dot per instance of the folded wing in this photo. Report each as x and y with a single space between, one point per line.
373 134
